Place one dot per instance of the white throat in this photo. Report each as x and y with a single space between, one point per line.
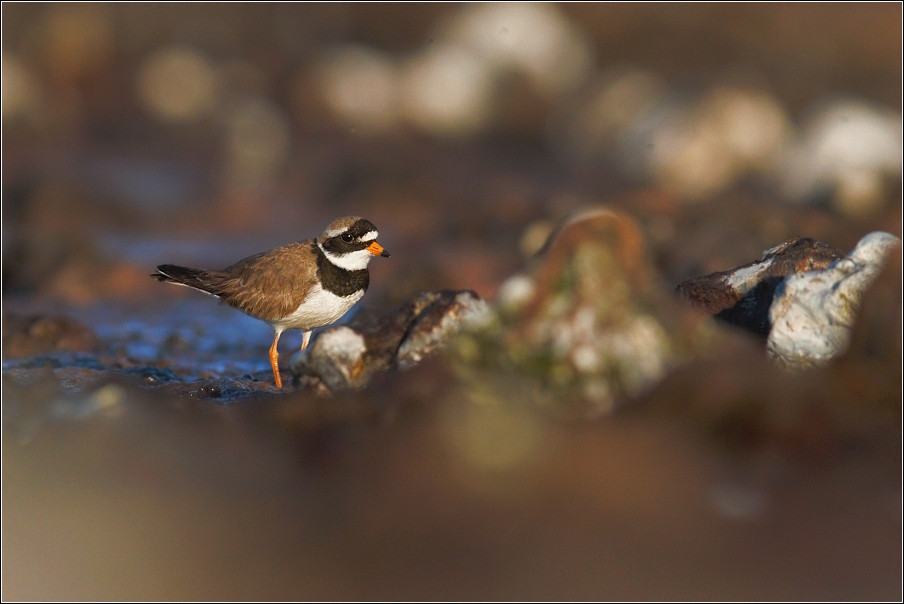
353 261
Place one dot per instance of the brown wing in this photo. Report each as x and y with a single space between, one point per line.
270 285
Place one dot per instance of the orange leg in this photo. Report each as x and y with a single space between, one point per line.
274 360
305 338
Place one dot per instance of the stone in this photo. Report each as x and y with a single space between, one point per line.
434 327
742 296
347 357
151 376
813 313
220 390
337 358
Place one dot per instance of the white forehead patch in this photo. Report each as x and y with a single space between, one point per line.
368 236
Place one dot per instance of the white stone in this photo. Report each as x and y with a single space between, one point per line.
585 358
338 358
516 291
813 313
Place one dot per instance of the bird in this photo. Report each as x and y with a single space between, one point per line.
302 285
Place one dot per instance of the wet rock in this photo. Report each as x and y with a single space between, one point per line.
813 313
220 390
78 371
31 335
742 296
27 376
586 324
79 379
72 372
151 376
348 356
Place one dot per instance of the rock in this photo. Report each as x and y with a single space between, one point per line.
748 402
79 379
151 376
31 335
348 356
585 324
432 328
337 359
813 313
221 390
742 296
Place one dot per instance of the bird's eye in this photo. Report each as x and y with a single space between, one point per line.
347 237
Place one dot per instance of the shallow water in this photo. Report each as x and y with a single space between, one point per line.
194 339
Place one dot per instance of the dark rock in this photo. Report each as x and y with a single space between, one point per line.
348 356
30 335
151 376
742 296
221 390
209 390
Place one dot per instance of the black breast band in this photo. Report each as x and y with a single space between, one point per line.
337 280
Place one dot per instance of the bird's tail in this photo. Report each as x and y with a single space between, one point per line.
195 278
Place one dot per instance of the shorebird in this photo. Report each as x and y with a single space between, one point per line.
303 285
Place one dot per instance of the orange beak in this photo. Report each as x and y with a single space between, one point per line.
377 250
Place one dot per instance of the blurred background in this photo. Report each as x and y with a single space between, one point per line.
197 134
137 134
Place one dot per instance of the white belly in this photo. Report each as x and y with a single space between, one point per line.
319 308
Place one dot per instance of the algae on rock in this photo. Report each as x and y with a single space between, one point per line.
585 325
